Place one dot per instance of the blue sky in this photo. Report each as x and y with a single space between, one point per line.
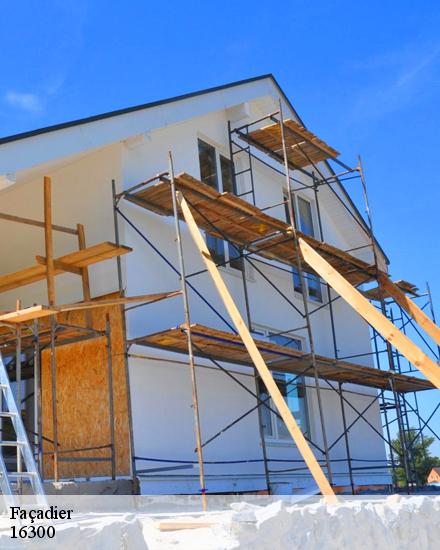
364 76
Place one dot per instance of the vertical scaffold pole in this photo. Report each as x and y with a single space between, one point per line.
335 346
38 441
111 413
18 392
384 312
50 278
195 399
293 225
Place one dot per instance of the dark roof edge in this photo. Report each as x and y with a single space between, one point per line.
118 112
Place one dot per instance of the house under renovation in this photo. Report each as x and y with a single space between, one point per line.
192 303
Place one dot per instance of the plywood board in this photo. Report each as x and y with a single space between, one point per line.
82 398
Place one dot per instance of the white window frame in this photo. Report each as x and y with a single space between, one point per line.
312 204
275 439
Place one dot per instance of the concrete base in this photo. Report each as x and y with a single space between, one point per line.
101 487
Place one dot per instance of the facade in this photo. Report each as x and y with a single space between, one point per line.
84 159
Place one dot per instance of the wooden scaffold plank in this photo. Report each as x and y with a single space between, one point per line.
376 319
410 307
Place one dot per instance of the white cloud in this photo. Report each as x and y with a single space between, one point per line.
26 101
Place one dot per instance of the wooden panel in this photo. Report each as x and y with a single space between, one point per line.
224 346
360 304
226 215
78 259
303 147
82 398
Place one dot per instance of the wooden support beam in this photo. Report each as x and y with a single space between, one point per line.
410 307
48 240
36 223
60 266
360 304
84 270
256 356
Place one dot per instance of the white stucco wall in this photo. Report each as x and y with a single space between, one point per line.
160 388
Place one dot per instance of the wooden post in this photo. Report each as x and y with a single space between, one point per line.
50 278
192 367
410 307
49 241
376 319
256 356
84 273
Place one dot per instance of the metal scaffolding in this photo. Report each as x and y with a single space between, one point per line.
395 406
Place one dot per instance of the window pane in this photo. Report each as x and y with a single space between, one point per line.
286 340
235 260
217 248
227 175
208 164
294 395
305 217
266 415
208 175
314 284
296 280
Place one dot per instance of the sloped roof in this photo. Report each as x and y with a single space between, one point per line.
145 106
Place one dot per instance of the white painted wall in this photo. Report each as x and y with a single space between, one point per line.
160 387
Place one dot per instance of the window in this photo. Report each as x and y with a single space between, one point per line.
216 171
304 216
293 391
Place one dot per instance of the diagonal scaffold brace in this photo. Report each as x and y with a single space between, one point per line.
263 370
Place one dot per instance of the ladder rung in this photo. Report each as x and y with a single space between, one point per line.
21 474
11 443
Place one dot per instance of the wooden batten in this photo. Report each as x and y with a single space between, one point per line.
83 400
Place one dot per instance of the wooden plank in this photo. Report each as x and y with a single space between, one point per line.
410 307
35 223
145 298
226 215
184 525
228 347
27 314
255 354
59 266
360 304
48 241
80 258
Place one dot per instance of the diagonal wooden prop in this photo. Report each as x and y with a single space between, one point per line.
376 319
410 307
266 376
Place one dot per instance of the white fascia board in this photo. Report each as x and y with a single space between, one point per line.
42 148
